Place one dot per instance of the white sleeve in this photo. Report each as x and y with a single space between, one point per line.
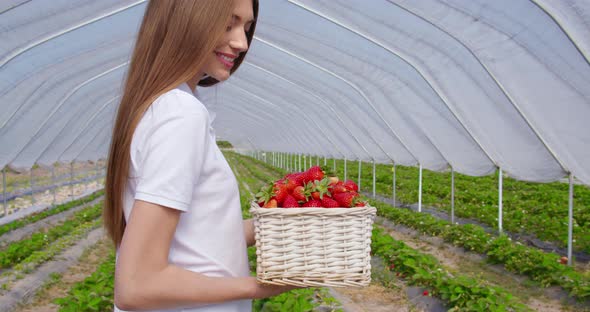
174 154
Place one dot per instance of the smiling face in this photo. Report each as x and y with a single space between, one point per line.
232 43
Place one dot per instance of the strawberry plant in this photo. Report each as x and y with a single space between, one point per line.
48 212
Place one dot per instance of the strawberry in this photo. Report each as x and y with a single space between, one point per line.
360 204
345 199
301 193
315 195
272 203
329 202
290 202
265 194
333 180
313 203
314 173
280 192
290 184
338 188
320 188
298 178
425 293
350 185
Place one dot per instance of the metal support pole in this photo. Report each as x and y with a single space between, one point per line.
500 201
325 161
420 190
304 162
452 195
359 180
55 186
345 170
374 181
393 185
4 191
570 217
72 177
299 165
334 164
32 188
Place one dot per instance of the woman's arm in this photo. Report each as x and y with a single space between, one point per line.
249 232
145 280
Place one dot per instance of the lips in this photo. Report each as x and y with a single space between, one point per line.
226 59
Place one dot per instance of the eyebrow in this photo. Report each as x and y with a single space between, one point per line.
240 18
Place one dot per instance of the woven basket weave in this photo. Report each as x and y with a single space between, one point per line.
313 246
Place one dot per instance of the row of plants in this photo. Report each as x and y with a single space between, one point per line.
94 293
460 292
5 228
537 208
39 257
19 250
546 268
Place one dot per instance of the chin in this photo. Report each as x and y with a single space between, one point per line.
223 76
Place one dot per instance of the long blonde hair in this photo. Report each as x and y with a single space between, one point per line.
172 45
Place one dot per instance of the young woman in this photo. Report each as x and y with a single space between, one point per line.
172 205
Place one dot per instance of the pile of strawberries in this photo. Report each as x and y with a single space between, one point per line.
312 188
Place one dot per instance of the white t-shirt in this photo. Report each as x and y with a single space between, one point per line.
175 162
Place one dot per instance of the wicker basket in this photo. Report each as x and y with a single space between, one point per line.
313 246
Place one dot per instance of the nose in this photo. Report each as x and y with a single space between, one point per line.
239 42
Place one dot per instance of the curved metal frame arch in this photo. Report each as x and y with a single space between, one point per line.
347 82
441 96
20 51
265 100
63 100
310 93
493 77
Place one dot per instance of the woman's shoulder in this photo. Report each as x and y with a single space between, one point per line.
178 102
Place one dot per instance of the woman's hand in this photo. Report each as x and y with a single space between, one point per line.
249 232
260 291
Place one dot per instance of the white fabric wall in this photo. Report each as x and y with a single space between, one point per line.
468 84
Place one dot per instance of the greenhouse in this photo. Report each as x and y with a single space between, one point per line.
465 123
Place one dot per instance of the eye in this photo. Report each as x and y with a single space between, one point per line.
228 28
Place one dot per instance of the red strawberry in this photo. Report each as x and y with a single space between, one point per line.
299 193
360 204
290 202
338 188
290 184
350 185
272 203
315 195
425 293
329 202
280 192
319 189
313 203
265 194
314 173
302 193
298 178
345 199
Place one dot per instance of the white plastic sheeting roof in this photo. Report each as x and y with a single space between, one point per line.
469 84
